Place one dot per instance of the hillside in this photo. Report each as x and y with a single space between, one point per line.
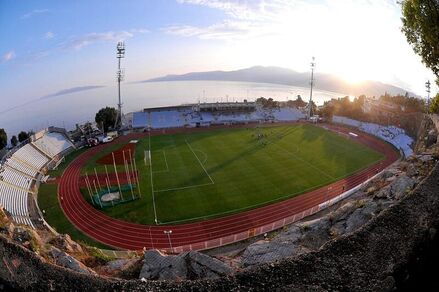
278 75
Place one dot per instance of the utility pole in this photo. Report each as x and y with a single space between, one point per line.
313 66
120 53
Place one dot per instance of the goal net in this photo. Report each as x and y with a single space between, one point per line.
147 158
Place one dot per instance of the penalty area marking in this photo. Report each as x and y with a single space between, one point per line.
191 186
166 163
189 145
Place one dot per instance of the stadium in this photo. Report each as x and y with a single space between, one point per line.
203 178
162 191
196 177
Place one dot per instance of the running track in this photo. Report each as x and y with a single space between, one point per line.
208 233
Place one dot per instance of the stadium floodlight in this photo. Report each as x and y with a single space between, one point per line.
428 88
168 232
120 53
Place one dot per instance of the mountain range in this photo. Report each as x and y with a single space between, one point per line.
278 75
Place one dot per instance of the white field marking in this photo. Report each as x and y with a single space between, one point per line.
199 161
166 162
204 154
152 180
182 188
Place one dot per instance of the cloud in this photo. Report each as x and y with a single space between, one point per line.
8 56
78 43
227 30
58 93
49 35
139 30
34 12
71 90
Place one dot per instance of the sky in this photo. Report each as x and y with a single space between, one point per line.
50 46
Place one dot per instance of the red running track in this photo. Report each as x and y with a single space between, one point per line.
208 233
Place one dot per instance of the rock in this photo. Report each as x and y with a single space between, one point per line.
67 261
65 242
267 252
431 138
21 234
315 233
337 229
401 186
204 266
283 245
342 212
119 267
361 215
189 265
425 158
388 173
411 170
29 238
384 193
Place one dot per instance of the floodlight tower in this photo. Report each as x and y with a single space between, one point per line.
428 88
313 66
120 53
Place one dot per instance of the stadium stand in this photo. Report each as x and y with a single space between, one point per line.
22 166
14 200
140 120
394 135
288 114
191 115
31 156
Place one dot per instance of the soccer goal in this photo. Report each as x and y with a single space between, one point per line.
147 157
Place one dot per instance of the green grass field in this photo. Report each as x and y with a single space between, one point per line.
213 173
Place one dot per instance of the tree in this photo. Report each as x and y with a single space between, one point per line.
22 136
434 106
327 111
421 28
14 141
3 139
106 117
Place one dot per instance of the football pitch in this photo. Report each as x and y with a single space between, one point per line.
213 173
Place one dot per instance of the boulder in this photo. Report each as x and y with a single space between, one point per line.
119 267
411 170
401 186
189 265
361 215
29 238
283 245
67 261
65 242
315 233
342 212
266 252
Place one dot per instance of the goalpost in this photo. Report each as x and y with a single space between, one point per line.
147 157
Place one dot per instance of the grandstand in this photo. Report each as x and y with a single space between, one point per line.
25 165
394 135
207 114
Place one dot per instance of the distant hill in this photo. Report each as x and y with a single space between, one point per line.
285 76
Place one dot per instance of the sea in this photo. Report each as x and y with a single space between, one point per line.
68 109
